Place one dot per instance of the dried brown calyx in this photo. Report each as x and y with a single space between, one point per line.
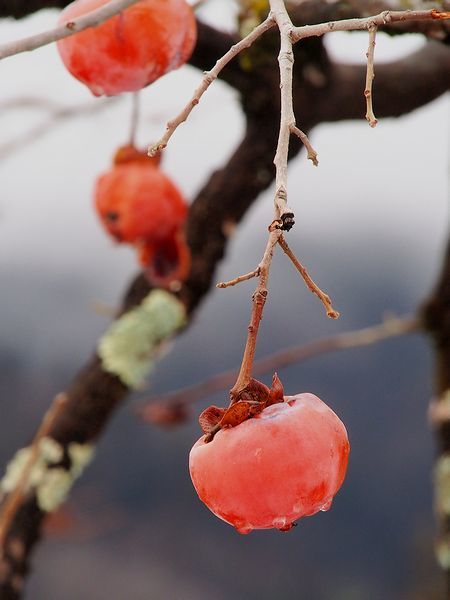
250 401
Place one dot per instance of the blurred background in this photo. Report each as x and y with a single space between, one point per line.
371 227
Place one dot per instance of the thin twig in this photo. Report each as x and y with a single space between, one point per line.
57 115
312 154
207 80
90 19
14 499
255 273
313 287
389 328
384 18
31 102
259 300
370 74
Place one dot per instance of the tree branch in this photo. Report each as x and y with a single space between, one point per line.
391 327
313 12
400 86
21 8
95 394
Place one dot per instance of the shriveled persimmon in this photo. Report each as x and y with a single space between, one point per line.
130 50
286 462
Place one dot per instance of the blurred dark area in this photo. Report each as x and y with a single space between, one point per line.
134 527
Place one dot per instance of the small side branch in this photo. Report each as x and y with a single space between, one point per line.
207 80
255 273
389 328
370 74
57 114
312 154
313 287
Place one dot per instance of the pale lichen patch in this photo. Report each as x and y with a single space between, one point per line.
442 485
53 489
50 482
130 345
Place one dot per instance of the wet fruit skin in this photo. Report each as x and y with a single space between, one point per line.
286 463
130 50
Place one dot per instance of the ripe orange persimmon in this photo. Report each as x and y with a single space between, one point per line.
138 204
285 463
130 50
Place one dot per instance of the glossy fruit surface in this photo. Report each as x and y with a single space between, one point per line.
137 203
285 463
130 50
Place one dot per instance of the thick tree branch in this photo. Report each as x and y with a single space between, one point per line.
95 394
21 8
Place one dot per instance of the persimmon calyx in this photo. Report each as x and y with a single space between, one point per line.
250 401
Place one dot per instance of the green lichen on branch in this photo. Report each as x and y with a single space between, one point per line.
131 344
442 485
50 482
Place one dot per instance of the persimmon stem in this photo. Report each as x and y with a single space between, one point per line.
134 122
259 300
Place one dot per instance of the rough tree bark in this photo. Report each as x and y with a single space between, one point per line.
324 91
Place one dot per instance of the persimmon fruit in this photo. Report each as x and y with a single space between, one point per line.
130 50
285 463
138 204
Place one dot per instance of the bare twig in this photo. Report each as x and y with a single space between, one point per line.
289 35
384 18
370 74
91 19
255 273
313 287
57 115
312 154
31 102
287 118
390 327
259 300
14 499
207 80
